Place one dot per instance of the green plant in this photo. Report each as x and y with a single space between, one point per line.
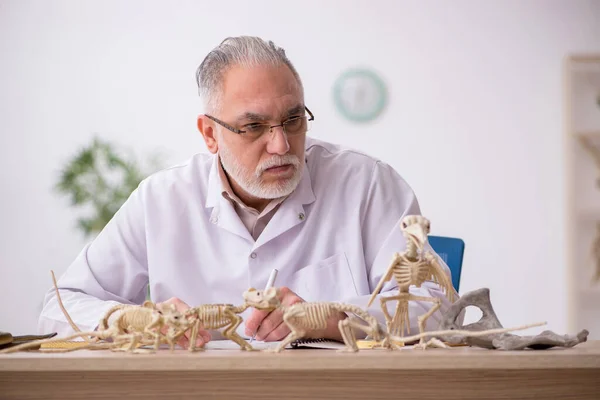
101 179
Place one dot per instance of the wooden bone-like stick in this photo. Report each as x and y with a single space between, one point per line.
64 310
459 332
35 343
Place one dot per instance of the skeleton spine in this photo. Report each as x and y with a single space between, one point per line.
104 322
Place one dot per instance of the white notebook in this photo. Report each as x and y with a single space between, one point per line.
259 345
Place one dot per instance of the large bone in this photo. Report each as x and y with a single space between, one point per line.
544 340
504 341
479 298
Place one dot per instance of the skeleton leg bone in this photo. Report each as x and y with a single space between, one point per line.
194 336
172 337
423 319
346 329
150 330
395 325
292 336
126 342
345 326
295 334
386 313
135 338
231 334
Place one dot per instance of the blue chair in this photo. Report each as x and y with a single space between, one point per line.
451 250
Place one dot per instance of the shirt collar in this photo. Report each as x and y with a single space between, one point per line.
228 193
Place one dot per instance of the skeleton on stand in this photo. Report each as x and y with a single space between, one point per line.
413 267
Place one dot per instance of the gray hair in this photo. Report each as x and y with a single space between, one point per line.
246 51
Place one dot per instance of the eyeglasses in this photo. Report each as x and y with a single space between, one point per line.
294 126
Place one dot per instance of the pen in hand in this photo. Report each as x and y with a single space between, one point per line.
270 284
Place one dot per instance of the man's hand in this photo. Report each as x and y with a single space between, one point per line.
269 325
184 341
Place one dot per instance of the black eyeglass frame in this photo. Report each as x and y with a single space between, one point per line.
239 131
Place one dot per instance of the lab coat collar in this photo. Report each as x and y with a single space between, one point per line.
214 184
290 213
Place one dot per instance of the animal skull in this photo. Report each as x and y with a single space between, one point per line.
415 229
262 299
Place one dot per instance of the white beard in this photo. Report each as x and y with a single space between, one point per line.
251 182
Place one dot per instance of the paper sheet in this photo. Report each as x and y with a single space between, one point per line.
231 345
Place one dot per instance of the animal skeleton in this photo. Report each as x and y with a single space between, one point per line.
135 319
135 324
413 267
146 321
216 316
138 325
303 318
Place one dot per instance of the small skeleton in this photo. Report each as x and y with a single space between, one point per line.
134 320
304 318
412 267
216 316
145 322
138 325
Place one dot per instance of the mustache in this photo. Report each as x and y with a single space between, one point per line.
277 161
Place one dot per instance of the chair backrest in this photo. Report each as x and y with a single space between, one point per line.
451 250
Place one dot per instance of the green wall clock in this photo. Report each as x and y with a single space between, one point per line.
360 95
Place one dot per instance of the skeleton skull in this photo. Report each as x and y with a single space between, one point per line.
415 229
173 317
262 299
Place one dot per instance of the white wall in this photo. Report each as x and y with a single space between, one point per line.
474 123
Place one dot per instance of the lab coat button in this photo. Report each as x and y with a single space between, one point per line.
301 216
253 255
214 220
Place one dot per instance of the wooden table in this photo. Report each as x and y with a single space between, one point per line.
459 373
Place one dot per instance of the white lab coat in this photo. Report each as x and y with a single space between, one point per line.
332 239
